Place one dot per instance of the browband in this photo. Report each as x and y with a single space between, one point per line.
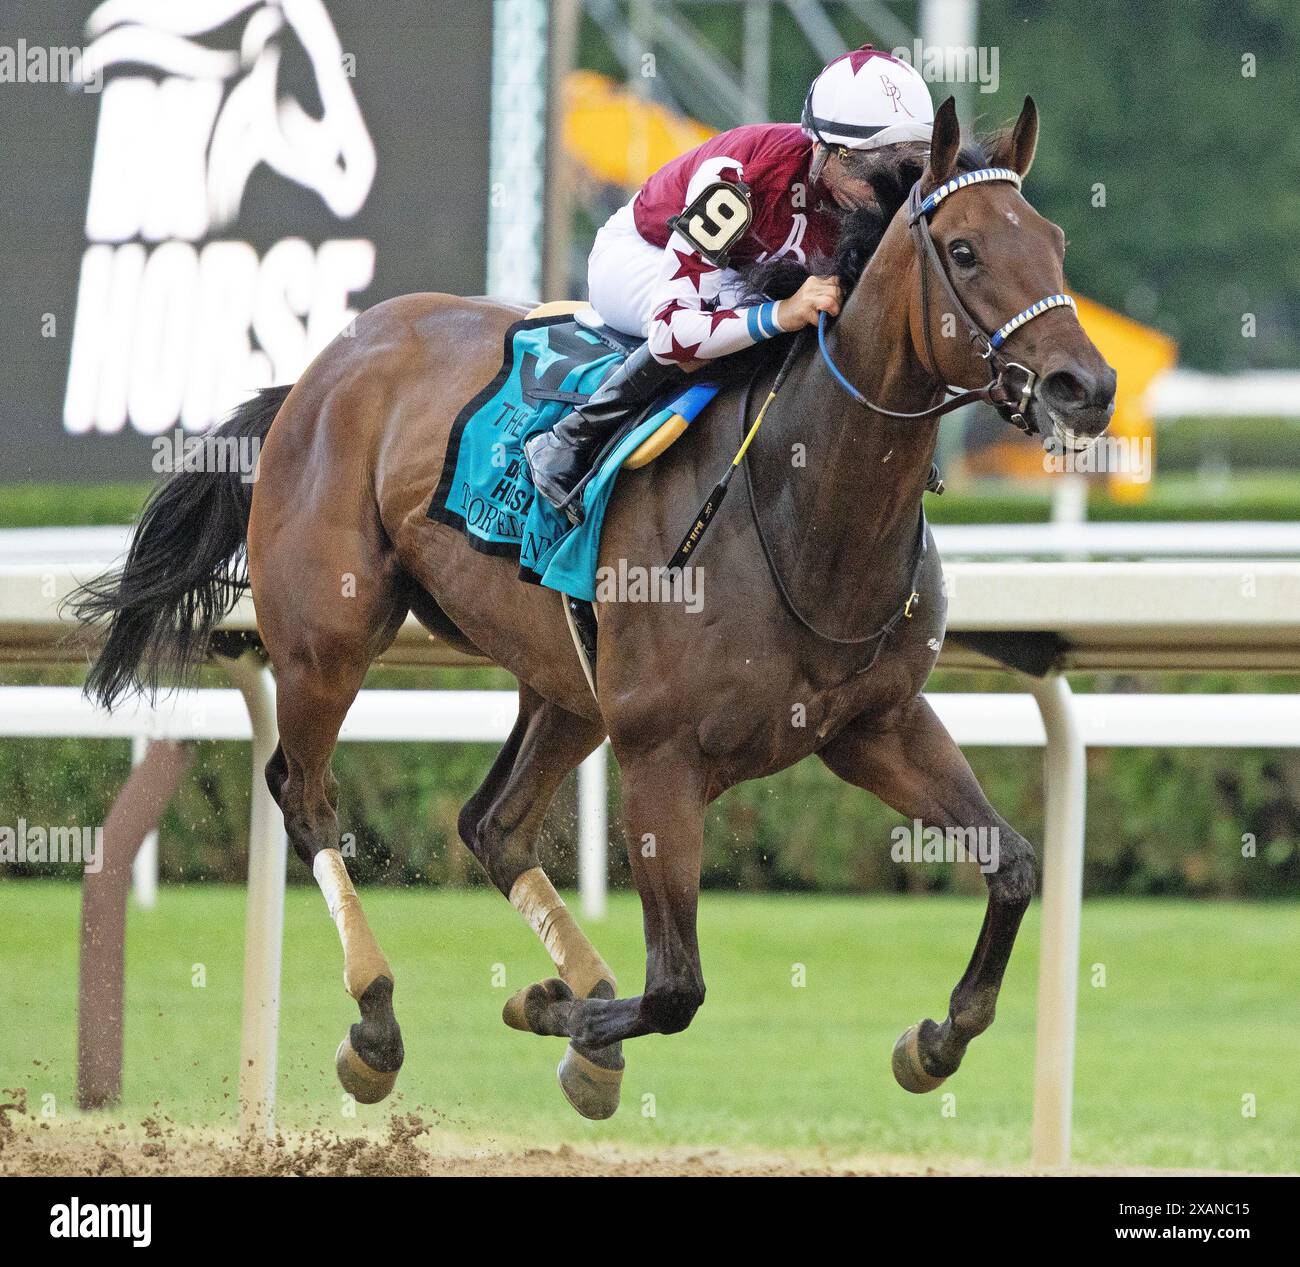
977 177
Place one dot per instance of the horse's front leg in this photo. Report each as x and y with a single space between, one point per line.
917 769
663 815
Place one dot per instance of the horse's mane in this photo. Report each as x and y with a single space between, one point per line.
860 229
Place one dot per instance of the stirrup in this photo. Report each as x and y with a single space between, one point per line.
543 487
570 505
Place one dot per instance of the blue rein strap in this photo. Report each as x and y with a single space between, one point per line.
935 411
830 363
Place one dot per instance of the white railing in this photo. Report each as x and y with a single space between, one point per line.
1243 539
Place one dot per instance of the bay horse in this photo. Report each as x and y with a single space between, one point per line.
823 611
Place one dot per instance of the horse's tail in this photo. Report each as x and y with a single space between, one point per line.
184 571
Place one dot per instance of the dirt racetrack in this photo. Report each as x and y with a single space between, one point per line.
410 1146
158 1148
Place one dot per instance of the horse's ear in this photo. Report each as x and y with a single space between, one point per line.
945 141
1015 149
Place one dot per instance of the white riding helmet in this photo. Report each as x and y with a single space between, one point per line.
865 99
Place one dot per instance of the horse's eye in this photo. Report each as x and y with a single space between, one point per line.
962 254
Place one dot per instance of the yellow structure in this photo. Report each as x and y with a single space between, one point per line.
1138 354
617 138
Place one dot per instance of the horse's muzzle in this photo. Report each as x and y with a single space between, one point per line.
1076 403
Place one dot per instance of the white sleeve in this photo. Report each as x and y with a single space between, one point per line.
686 323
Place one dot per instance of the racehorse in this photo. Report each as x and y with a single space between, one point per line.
823 612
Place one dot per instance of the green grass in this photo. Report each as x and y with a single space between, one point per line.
1177 496
1199 1009
1247 494
44 505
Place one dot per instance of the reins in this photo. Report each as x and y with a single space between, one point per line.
903 612
1010 397
714 500
935 411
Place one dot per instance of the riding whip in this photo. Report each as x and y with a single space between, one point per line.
714 499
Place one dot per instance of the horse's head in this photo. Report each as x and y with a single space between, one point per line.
258 121
1003 260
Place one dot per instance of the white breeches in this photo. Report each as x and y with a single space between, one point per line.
624 271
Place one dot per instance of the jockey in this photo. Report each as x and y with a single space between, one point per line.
664 266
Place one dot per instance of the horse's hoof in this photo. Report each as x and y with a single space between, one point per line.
360 1081
589 1087
909 1072
527 1009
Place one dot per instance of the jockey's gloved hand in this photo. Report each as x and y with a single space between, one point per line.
815 296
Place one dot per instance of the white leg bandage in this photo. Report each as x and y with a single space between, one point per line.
574 957
363 961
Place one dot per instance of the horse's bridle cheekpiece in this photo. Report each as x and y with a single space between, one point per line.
1011 388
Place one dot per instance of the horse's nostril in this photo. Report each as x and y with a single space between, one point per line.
1065 388
1079 388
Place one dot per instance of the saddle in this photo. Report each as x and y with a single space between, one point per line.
551 361
670 430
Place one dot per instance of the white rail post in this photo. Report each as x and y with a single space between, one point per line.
144 870
264 917
593 833
1064 763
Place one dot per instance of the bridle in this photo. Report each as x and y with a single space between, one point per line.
1011 386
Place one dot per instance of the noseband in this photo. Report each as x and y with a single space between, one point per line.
1012 384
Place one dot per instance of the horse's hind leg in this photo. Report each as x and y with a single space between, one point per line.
918 770
313 697
500 825
321 631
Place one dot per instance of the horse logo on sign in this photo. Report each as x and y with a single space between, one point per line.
251 121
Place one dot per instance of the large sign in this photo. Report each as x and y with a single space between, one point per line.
203 193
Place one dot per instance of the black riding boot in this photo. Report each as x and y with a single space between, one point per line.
559 458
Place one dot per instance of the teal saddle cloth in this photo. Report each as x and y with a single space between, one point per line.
549 365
